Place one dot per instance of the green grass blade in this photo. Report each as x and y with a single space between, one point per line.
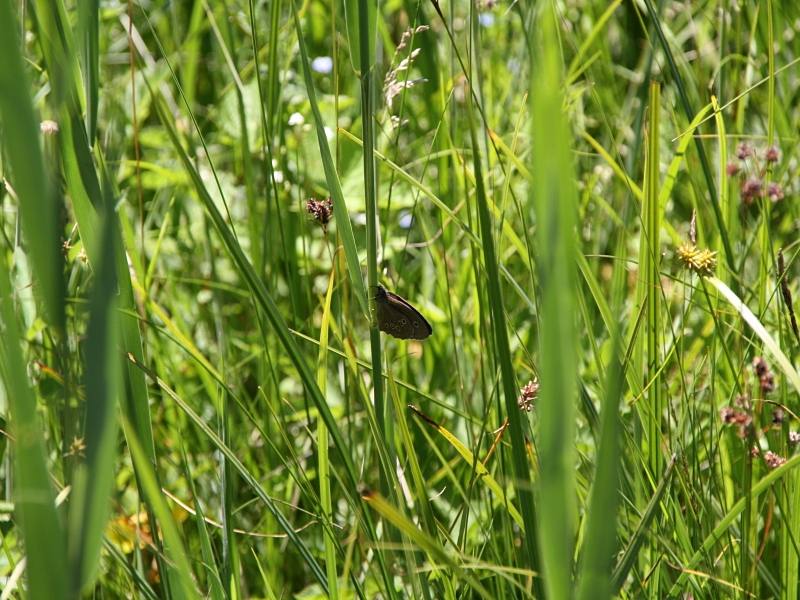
94 477
323 458
361 39
599 543
649 260
554 202
179 574
89 31
38 202
45 546
642 533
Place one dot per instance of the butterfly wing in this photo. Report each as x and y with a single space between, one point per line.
399 319
413 325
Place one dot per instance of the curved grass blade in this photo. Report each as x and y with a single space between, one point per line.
769 342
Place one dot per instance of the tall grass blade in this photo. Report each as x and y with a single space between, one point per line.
323 458
93 480
38 202
41 528
360 17
599 543
554 203
89 31
179 575
650 278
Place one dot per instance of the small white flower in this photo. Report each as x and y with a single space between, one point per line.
322 64
296 119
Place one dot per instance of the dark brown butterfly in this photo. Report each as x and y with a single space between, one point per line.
398 318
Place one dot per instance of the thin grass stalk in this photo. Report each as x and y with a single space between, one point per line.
651 278
191 54
637 354
365 30
323 459
630 161
728 206
271 109
649 270
723 46
273 82
789 537
427 523
751 70
267 170
748 523
767 261
213 577
366 54
770 49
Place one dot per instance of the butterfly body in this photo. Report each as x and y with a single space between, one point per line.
398 318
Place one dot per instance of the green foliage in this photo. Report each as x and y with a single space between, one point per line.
587 201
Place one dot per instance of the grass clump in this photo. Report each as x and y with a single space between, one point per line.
596 199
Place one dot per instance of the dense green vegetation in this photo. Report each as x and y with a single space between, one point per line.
594 205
